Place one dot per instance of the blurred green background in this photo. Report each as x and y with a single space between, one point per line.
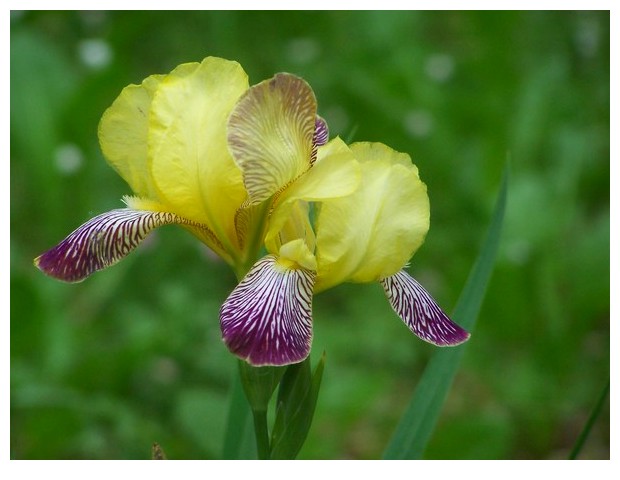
133 355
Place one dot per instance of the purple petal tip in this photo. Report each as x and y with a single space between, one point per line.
414 305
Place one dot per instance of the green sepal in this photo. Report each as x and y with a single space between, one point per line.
296 402
259 383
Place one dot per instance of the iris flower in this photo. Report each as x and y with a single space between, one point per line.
250 172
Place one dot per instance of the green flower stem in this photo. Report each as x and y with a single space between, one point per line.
262 434
259 383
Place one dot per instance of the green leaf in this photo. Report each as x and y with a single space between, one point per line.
239 438
417 424
295 407
590 423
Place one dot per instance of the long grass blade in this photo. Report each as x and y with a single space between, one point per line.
417 424
239 435
581 440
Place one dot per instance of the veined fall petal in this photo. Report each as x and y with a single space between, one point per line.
267 319
414 305
372 233
103 241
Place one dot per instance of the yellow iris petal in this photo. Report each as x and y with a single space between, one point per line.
372 233
190 163
336 173
123 134
270 134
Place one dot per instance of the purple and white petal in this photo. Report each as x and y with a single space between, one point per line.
320 137
414 305
321 132
267 319
101 242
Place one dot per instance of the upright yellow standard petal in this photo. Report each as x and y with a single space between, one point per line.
372 233
270 134
191 166
123 134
